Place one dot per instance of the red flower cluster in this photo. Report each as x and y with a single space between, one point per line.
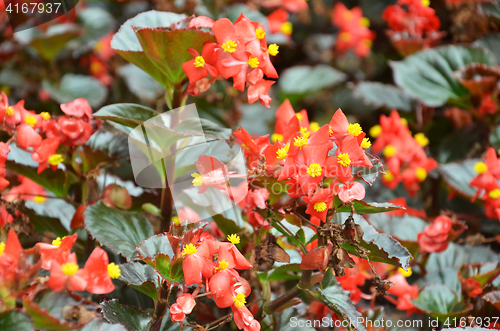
404 293
405 157
354 34
434 239
241 53
213 264
413 25
488 174
65 273
28 127
303 155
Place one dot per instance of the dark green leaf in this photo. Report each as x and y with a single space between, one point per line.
441 302
119 230
141 83
140 276
111 143
54 39
337 299
132 318
493 298
491 42
98 325
288 320
402 227
491 8
15 321
495 138
151 247
285 272
128 114
455 256
383 95
362 207
44 223
458 176
73 86
427 75
307 79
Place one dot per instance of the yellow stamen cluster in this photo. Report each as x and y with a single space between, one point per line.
299 116
189 249
343 159
229 46
234 239
494 194
39 199
389 151
199 62
480 167
354 129
404 121
388 176
30 120
314 170
287 28
253 62
176 220
57 241
239 300
365 22
314 126
222 266
282 152
273 49
259 33
9 111
366 143
426 3
421 174
421 139
276 136
45 115
2 247
69 269
198 179
320 207
375 131
114 271
406 273
301 141
55 159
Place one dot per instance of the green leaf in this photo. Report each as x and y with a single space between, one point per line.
141 83
427 75
307 79
15 320
57 209
167 48
362 207
58 182
128 114
493 298
384 95
111 143
441 302
119 230
226 225
54 39
44 223
297 323
98 325
132 318
456 255
337 299
491 42
495 138
153 246
402 227
458 176
73 86
97 22
285 272
491 8
140 276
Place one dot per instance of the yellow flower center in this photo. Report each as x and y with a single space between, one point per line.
345 36
69 269
375 131
314 170
366 143
2 247
239 300
30 120
253 62
198 179
406 273
259 33
426 3
480 167
421 174
57 241
404 121
421 139
314 126
388 176
229 46
368 42
234 239
282 152
199 62
222 265
189 249
9 111
55 159
301 141
365 22
354 129
287 28
114 270
299 116
389 151
276 136
45 115
344 159
273 49
320 207
39 199
494 194
176 220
